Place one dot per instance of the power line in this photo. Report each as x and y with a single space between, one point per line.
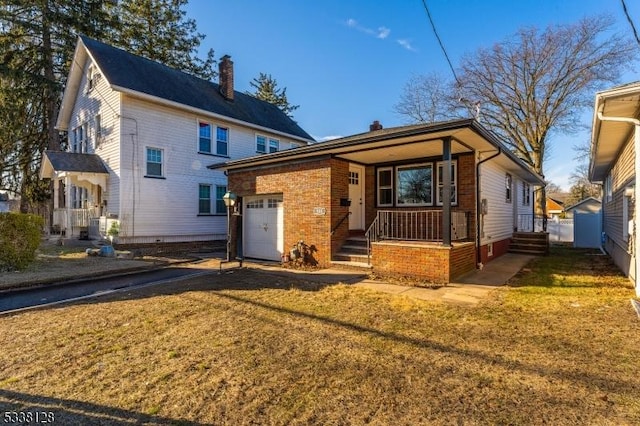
433 26
633 27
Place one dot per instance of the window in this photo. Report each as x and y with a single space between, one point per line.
222 141
507 186
204 199
385 186
79 136
526 194
154 162
220 191
263 143
91 78
255 204
204 141
414 185
608 188
454 192
273 203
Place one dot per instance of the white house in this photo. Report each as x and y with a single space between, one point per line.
140 135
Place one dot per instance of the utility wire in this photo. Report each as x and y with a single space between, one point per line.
633 27
433 26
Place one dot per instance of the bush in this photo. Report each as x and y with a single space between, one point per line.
19 239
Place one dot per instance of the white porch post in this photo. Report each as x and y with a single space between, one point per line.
67 217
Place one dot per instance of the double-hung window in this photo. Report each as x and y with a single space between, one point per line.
526 194
265 144
385 186
222 141
414 185
454 192
507 187
207 204
154 162
79 141
204 137
206 142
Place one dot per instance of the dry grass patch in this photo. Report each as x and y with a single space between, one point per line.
253 348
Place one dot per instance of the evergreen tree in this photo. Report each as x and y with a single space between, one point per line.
267 90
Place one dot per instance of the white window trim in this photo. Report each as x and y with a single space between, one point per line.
378 187
608 184
408 166
216 141
454 163
267 143
162 163
211 127
200 213
508 188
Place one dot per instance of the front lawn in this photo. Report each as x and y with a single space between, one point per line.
558 346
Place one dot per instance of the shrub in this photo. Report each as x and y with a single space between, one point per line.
19 239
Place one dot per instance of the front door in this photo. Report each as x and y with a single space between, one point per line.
356 195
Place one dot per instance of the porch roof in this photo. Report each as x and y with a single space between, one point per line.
608 137
59 161
400 144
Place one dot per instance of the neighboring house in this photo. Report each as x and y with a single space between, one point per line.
588 205
554 208
615 162
434 201
140 135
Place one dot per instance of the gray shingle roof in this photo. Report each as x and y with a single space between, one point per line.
139 74
75 162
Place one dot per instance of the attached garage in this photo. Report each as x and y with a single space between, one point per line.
263 227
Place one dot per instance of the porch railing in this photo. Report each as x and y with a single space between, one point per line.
77 217
531 223
417 225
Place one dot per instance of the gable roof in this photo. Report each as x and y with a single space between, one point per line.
135 75
588 200
402 143
60 161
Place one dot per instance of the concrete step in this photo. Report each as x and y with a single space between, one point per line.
343 264
351 257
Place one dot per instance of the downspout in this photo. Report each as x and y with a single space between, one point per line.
478 205
636 195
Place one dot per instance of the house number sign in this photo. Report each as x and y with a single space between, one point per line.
319 211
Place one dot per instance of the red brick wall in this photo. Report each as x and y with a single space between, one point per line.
303 185
431 262
499 248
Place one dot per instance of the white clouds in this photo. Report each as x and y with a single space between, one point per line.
406 44
381 33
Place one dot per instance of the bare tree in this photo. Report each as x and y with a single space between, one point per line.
425 99
537 83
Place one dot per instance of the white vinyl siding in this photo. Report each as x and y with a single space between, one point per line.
497 224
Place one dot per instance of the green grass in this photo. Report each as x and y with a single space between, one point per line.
557 346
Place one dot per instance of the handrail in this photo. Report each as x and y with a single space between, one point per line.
368 236
340 223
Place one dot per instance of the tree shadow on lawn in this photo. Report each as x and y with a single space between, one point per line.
571 267
247 279
68 411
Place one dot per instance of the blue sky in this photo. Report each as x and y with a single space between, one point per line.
346 62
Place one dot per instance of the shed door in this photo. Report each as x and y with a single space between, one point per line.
263 227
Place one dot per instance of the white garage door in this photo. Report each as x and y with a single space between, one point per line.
263 227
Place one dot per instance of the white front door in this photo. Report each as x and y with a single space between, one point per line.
356 195
263 228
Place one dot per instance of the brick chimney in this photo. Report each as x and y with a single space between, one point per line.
226 77
375 126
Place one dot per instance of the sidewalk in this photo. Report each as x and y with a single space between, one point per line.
468 289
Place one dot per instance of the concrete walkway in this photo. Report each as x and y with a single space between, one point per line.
467 290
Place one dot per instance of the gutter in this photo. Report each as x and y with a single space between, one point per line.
478 205
636 194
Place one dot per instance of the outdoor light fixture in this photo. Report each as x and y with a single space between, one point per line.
230 201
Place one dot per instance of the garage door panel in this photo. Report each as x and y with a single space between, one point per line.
263 227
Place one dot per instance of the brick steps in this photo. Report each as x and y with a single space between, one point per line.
536 243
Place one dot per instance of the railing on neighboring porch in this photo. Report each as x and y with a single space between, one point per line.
78 218
417 225
531 223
